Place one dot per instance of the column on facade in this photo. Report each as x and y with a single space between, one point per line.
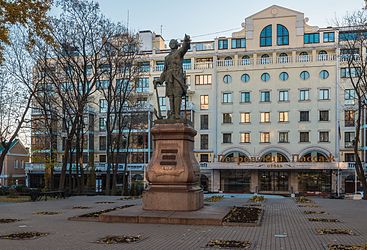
254 186
293 182
215 183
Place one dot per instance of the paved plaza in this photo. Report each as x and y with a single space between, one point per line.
284 226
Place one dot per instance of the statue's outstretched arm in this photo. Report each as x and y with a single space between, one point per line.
185 45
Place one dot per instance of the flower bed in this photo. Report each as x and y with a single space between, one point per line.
119 239
346 247
105 202
239 215
214 198
229 244
314 212
322 220
309 205
23 236
98 213
323 231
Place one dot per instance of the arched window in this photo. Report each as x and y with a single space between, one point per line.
283 76
283 58
282 35
304 75
246 60
266 36
303 57
322 55
227 79
265 77
324 74
228 61
245 78
265 59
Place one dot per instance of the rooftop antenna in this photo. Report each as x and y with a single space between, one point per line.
365 5
162 29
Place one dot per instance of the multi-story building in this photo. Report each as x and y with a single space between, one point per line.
272 106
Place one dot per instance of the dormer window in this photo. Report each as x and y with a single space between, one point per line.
266 36
282 35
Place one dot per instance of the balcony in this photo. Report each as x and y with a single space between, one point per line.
203 65
225 63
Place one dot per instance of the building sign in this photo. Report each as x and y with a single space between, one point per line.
275 159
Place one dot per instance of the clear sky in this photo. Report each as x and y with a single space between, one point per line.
198 17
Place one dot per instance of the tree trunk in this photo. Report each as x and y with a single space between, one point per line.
358 163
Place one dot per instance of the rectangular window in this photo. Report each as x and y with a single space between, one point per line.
245 117
349 157
204 141
227 138
142 86
304 116
245 97
245 137
102 84
265 96
227 97
324 115
311 38
238 43
324 136
283 96
204 122
102 124
227 118
223 44
203 79
204 102
304 136
349 138
103 105
304 95
102 158
329 37
265 117
349 117
283 137
102 143
264 137
324 94
283 116
350 72
204 157
349 96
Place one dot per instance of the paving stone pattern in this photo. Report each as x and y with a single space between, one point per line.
282 217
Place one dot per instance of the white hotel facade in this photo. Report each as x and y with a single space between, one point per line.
272 105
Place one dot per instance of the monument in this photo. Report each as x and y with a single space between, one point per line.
173 173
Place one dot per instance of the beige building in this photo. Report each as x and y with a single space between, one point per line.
271 104
13 170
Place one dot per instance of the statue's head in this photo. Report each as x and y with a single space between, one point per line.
173 44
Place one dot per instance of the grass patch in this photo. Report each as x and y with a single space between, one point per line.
257 198
346 247
229 244
323 220
303 199
15 198
314 212
243 215
119 239
46 213
214 198
323 231
23 236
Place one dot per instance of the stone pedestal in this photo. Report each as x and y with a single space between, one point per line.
173 172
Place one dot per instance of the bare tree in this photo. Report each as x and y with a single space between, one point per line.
353 45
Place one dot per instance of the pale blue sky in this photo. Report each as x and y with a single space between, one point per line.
197 17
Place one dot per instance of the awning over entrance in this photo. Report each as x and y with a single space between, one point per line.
278 165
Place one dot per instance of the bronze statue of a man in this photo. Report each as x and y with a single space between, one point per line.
174 76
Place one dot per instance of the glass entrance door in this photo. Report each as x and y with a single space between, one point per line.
273 181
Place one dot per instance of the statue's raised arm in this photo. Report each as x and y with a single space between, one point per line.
185 45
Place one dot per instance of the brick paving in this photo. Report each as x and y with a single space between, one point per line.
282 217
